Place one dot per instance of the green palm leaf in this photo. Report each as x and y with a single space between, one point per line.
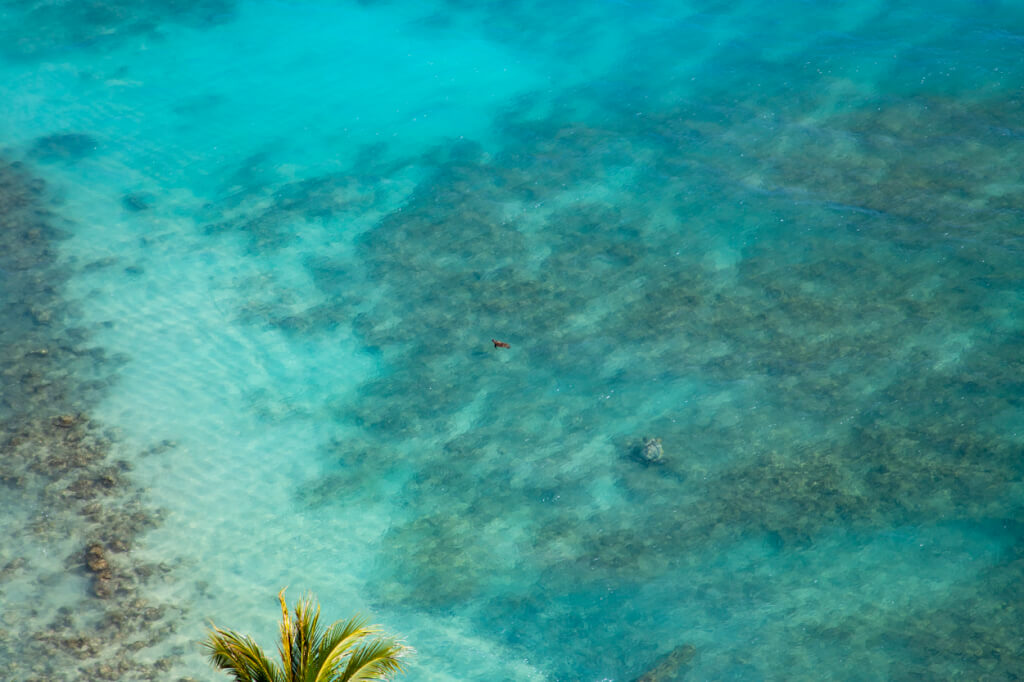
376 660
306 635
335 643
241 656
299 636
345 651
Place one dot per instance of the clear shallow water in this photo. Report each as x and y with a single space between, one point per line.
786 240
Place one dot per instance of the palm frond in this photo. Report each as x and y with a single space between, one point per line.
376 660
287 636
306 637
240 656
344 651
339 638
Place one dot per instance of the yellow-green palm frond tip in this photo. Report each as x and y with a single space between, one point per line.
380 659
240 656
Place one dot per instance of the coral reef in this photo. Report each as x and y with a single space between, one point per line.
809 328
648 263
66 493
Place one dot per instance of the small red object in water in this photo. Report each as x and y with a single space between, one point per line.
500 344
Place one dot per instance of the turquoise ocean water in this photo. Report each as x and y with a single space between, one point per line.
254 253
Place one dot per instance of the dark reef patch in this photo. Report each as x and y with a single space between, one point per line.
271 226
63 147
137 201
38 29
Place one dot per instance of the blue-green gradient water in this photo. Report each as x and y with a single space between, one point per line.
785 238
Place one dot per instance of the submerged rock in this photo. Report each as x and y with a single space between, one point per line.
94 558
652 450
103 575
648 450
64 421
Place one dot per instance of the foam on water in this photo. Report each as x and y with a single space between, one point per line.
784 239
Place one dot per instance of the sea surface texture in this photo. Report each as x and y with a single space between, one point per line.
760 266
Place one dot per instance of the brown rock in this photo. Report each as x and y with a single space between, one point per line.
95 558
103 588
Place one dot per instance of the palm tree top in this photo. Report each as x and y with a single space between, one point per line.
344 651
